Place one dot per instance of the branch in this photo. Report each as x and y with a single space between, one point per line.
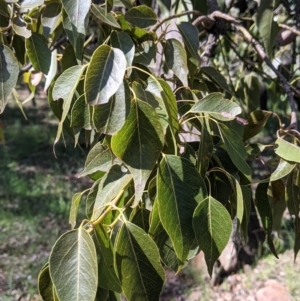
52 48
261 52
292 29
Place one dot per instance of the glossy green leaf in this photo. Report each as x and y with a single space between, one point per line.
266 25
292 195
109 118
287 150
179 189
51 17
163 241
215 105
9 73
141 16
256 122
139 143
80 114
205 151
45 285
176 59
99 158
104 74
38 52
64 88
110 186
235 148
107 277
214 75
74 208
73 266
104 17
212 225
190 37
138 264
20 27
123 41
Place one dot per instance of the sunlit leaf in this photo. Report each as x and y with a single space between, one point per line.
139 143
20 27
212 225
74 208
51 17
138 264
141 16
287 150
73 266
9 72
106 18
104 74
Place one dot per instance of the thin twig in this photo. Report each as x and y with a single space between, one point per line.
292 29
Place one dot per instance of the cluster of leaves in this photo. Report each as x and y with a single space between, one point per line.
170 138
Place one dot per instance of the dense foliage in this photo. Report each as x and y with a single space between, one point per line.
169 95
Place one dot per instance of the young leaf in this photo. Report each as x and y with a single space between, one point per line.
38 52
190 37
176 59
73 266
138 264
104 74
215 105
287 150
212 225
179 188
235 148
9 73
109 118
107 277
139 143
141 16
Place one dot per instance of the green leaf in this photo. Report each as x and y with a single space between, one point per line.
121 40
99 158
138 264
75 37
145 54
235 148
163 241
256 122
4 14
31 3
104 74
74 208
9 73
179 188
252 91
283 169
80 114
214 75
73 266
19 48
176 59
51 17
138 144
247 199
212 225
141 16
110 186
77 11
287 150
45 284
140 217
107 277
205 151
215 105
267 27
64 88
38 52
109 118
292 195
106 18
190 37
